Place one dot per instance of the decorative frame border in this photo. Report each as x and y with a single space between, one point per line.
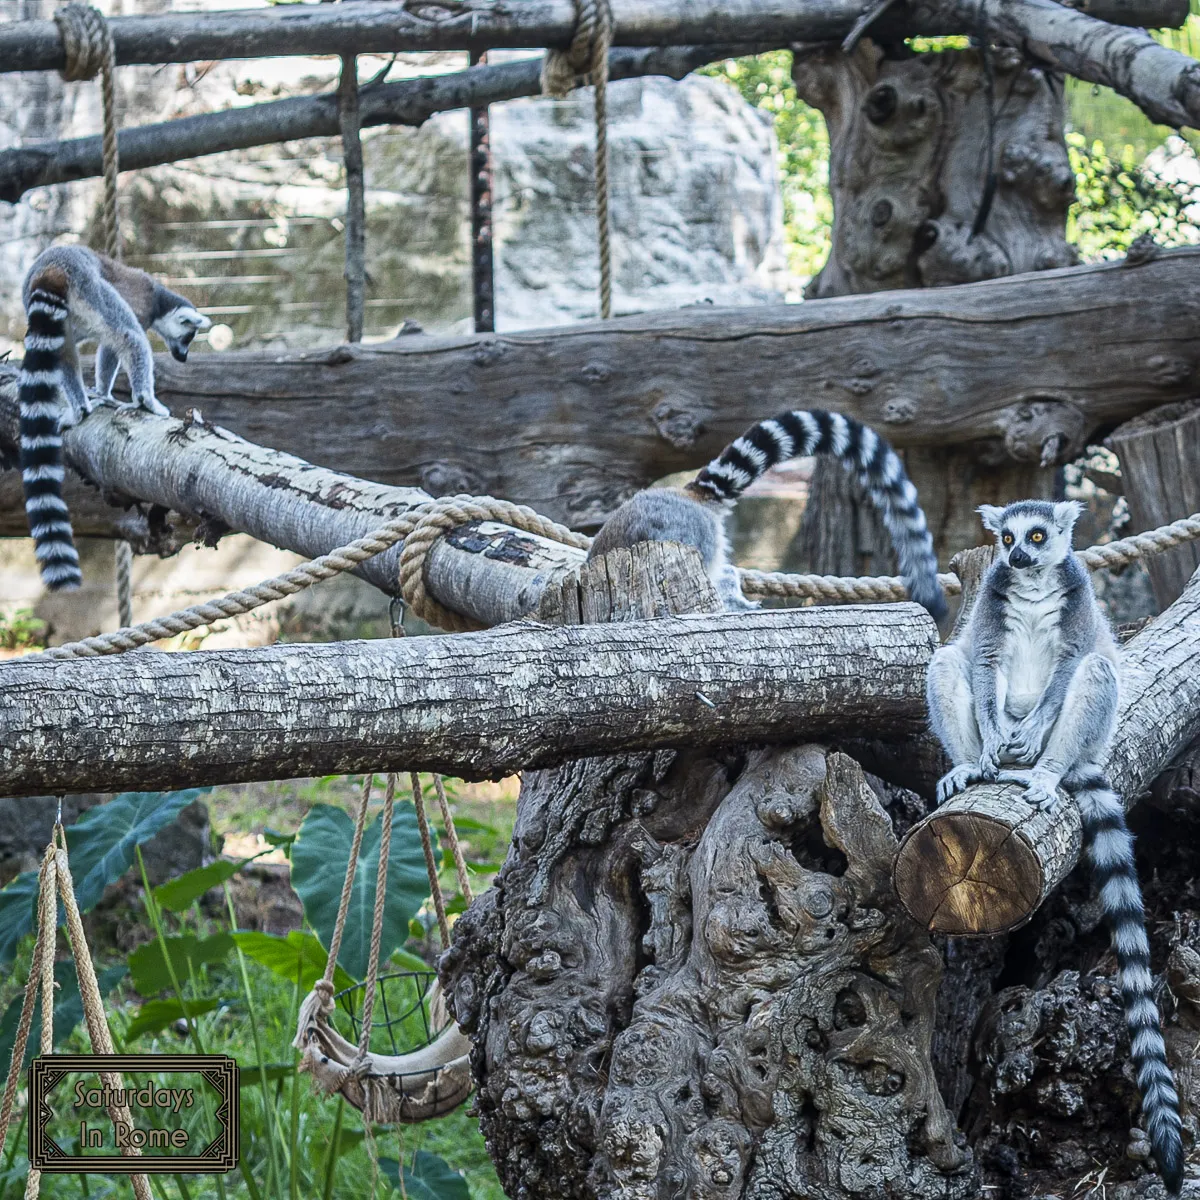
219 1156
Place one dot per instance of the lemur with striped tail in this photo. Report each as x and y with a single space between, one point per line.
695 514
72 295
1028 694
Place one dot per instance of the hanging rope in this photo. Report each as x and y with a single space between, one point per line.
587 57
55 875
88 48
435 888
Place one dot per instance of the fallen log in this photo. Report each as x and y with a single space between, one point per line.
405 102
573 420
984 861
475 705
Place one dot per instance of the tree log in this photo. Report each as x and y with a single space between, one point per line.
1159 453
573 420
984 861
475 705
405 102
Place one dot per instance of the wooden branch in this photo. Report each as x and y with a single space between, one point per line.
475 705
985 861
573 420
406 102
379 26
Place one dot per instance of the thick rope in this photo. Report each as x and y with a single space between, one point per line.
435 889
587 57
460 863
124 566
381 879
325 983
423 525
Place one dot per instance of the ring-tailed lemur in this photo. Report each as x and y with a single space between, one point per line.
695 514
1028 694
72 295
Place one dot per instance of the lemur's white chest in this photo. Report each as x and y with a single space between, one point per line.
1032 640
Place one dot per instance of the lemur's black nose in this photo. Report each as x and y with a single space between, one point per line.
1018 558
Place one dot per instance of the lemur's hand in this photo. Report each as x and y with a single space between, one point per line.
989 756
1027 740
150 403
956 780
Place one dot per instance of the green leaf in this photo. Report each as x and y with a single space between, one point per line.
470 824
18 902
155 1015
68 1010
320 857
299 956
102 842
148 968
274 838
403 961
178 894
429 1178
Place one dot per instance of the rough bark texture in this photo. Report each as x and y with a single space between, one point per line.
690 981
590 413
945 168
1159 453
406 102
984 861
477 705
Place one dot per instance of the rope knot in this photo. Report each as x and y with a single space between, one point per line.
583 58
86 39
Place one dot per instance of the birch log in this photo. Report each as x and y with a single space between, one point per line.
985 861
475 705
573 420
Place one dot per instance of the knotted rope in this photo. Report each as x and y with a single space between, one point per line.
587 57
88 48
422 526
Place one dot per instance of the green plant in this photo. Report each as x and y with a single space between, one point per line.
21 630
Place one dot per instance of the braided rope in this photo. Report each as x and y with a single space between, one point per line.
381 878
435 887
325 984
124 555
587 56
460 863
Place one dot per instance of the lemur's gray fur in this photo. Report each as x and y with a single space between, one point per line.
73 295
1028 694
695 514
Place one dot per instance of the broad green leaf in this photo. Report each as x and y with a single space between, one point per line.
472 825
429 1178
103 841
148 968
403 961
297 956
68 1010
274 838
155 1015
17 913
178 894
320 857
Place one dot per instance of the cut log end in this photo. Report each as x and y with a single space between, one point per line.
983 863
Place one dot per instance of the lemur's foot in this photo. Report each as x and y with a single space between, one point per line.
956 780
1040 793
153 405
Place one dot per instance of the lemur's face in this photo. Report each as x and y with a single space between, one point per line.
177 328
1032 533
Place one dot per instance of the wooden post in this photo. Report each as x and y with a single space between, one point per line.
1160 467
480 160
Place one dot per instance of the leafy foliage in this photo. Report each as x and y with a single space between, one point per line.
148 970
176 895
156 1015
320 857
299 958
429 1178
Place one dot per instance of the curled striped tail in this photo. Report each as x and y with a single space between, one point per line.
41 397
1110 848
859 449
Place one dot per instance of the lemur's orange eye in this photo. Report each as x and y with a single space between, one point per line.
1007 539
1037 537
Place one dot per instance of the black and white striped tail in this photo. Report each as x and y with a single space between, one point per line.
1110 847
860 449
41 397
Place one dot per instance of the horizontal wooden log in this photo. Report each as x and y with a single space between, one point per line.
405 102
475 705
985 861
572 420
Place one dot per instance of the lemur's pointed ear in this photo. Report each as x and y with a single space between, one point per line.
992 517
1066 513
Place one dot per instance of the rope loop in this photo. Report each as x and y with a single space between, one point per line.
86 39
589 43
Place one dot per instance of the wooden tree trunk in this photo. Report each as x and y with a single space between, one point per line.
692 979
945 168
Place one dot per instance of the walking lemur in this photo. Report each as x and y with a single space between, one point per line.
71 295
695 514
1028 694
